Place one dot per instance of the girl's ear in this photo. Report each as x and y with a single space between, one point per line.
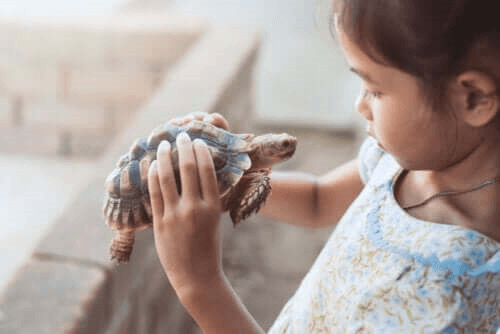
478 98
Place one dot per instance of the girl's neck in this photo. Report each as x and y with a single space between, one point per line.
478 210
480 164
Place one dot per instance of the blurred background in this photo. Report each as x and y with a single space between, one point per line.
75 76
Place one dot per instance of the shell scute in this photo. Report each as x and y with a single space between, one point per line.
138 149
130 181
113 183
160 133
123 161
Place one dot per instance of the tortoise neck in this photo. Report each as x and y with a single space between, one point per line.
260 153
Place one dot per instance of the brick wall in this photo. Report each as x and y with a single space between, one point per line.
69 285
68 85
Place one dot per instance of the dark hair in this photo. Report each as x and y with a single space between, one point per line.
434 40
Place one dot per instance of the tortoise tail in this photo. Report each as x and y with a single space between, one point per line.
121 246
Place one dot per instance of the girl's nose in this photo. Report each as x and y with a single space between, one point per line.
363 108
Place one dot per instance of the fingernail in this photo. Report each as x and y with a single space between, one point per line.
164 146
199 142
183 137
152 166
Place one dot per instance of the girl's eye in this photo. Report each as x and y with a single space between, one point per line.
370 94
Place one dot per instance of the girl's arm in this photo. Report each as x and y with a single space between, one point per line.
217 309
310 201
187 238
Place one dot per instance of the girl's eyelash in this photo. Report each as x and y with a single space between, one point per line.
370 93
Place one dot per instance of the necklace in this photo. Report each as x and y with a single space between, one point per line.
453 193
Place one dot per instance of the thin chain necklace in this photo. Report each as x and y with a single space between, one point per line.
453 193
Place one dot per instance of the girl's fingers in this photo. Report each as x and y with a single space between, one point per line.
208 180
199 115
166 174
217 120
177 121
187 167
154 190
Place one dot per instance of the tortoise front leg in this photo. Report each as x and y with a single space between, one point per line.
250 194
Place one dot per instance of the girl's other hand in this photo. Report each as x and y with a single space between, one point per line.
215 119
186 225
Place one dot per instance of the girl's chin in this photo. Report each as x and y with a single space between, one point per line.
380 146
370 133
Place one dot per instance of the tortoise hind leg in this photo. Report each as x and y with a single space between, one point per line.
121 246
250 194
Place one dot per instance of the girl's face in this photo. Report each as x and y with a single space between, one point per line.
399 117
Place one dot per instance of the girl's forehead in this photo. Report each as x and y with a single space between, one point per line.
359 61
359 48
372 72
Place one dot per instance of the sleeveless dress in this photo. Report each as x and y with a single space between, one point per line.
384 271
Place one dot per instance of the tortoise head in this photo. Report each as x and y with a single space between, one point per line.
270 149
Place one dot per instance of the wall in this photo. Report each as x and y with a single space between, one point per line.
68 85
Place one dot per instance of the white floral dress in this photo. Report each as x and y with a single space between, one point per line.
383 271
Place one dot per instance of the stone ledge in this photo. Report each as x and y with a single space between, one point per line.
84 76
48 297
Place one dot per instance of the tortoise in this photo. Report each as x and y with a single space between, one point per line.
242 164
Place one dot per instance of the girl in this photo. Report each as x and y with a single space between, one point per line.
417 244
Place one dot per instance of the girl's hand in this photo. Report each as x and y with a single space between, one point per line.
215 119
186 226
187 238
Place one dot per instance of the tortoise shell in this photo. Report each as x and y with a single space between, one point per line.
127 203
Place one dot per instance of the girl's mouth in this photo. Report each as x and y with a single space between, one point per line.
370 132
